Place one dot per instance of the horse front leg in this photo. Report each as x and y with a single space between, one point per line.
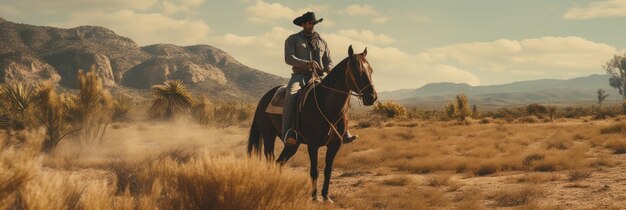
333 149
314 171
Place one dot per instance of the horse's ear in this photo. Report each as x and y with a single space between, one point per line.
364 52
350 51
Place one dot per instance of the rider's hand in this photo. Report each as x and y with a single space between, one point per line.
313 65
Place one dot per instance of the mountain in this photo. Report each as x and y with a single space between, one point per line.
37 53
535 91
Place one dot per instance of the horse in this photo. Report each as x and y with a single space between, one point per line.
322 118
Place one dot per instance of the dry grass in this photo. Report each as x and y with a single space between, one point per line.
438 180
614 128
400 180
577 175
618 146
537 178
516 197
171 180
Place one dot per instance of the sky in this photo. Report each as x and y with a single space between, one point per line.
409 43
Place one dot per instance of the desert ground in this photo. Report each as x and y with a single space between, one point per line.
400 164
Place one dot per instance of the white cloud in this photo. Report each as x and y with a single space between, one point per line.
609 8
268 12
63 6
556 53
380 20
144 28
180 6
361 10
366 36
263 12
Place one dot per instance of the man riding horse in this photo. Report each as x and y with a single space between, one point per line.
306 52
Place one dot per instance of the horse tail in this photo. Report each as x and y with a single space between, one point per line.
254 140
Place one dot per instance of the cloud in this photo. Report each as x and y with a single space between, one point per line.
263 12
171 7
573 53
63 6
366 36
609 8
380 20
144 28
361 10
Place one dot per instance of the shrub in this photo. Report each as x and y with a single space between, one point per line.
227 114
170 99
617 145
203 111
121 106
536 110
462 107
389 109
519 196
615 128
575 175
49 113
529 159
95 106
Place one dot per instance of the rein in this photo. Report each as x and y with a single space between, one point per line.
359 94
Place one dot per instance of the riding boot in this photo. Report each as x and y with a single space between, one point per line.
349 138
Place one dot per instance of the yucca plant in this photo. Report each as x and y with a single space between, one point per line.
170 98
16 98
95 107
121 106
18 95
49 113
462 106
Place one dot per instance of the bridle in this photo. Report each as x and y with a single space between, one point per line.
344 109
349 74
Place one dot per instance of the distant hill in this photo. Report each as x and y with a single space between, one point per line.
535 91
36 53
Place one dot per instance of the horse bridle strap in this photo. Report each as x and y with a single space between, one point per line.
349 74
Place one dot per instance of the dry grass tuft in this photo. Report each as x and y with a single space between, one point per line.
537 178
615 128
579 174
401 180
617 145
517 197
438 180
486 168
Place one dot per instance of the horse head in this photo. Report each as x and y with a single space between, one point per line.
359 77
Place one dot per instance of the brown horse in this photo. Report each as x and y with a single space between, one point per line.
321 119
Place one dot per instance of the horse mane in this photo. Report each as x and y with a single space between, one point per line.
336 73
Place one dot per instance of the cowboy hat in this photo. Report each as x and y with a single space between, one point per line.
306 17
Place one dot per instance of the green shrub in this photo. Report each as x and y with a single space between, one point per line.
389 109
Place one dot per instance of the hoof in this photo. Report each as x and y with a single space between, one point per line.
317 199
328 200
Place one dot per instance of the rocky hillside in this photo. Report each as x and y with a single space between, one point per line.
36 53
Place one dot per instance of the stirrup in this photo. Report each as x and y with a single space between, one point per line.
291 140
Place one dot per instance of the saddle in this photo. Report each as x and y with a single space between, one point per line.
278 100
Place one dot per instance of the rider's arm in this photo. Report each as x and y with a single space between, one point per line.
290 53
328 63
